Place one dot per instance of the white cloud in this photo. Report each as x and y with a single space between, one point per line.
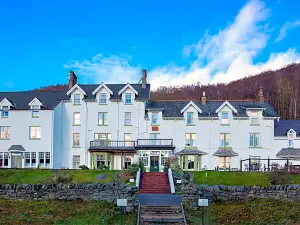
287 26
226 56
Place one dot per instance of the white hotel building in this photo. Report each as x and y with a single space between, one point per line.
116 124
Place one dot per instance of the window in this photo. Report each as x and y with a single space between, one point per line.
102 118
164 158
47 159
191 159
127 138
76 140
4 132
127 118
100 160
76 119
33 159
254 118
3 159
183 162
291 139
254 140
109 161
190 139
224 118
127 162
35 132
27 159
35 110
154 139
41 158
224 140
145 158
76 161
128 98
30 159
77 99
103 98
224 162
5 111
103 139
189 119
154 118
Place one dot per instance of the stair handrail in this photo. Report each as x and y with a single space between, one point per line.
171 181
138 214
184 219
138 178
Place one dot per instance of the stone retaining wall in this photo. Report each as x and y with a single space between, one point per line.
95 191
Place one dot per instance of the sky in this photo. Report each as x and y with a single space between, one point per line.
178 42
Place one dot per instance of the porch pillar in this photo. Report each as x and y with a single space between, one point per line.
122 161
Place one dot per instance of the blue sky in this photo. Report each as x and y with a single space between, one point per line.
178 42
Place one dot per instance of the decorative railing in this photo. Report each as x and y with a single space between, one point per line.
171 181
155 142
114 144
138 177
138 214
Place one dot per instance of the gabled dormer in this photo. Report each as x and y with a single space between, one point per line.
5 106
225 113
35 105
103 93
128 94
76 94
190 113
255 114
291 135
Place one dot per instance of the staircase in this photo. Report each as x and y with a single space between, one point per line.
155 183
165 215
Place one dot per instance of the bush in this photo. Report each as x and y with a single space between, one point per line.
176 169
62 177
141 165
123 176
103 167
133 168
281 178
83 167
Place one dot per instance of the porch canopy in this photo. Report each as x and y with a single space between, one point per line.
289 153
191 151
225 152
16 148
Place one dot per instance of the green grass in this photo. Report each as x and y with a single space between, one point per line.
262 212
39 176
15 212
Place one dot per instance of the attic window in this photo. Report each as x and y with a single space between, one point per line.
291 139
5 111
254 118
224 118
77 99
35 111
127 98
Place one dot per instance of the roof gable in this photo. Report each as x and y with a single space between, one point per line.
5 101
191 103
35 101
226 103
102 85
76 86
127 86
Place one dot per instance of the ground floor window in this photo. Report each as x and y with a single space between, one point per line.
100 160
145 158
30 159
191 162
3 159
224 162
44 159
76 161
164 158
127 162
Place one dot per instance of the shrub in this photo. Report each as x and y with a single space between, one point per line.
103 167
123 176
62 177
282 178
141 165
133 169
83 167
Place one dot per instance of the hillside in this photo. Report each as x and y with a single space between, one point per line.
281 90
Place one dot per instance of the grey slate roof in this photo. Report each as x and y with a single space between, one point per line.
16 148
288 153
173 108
51 99
191 151
281 127
225 152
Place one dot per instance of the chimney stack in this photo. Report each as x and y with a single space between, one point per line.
261 97
203 99
144 78
72 80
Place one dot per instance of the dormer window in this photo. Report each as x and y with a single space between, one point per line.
128 98
5 111
189 118
154 118
103 98
291 138
77 99
254 118
224 118
35 111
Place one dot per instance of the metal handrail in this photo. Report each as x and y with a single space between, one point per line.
138 177
138 214
100 143
171 181
167 142
183 214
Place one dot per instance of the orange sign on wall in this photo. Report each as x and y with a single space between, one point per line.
155 128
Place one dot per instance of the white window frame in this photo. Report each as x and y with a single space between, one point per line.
224 121
189 140
191 160
256 140
128 98
224 162
291 137
4 159
5 112
76 121
102 118
5 132
154 118
225 140
128 139
190 118
127 121
35 111
103 98
77 99
35 132
30 156
254 118
154 137
76 143
76 161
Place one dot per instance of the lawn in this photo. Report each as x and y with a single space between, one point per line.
243 178
39 176
15 212
262 212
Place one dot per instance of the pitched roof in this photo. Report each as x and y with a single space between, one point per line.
16 148
191 151
281 127
225 152
288 153
173 108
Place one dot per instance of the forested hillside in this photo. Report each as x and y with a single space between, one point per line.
281 90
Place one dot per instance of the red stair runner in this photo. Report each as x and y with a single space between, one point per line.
155 183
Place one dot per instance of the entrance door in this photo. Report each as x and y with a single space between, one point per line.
16 161
154 163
